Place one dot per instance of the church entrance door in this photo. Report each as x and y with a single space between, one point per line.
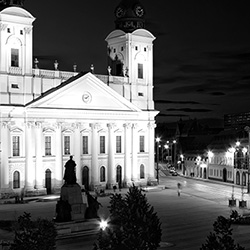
85 177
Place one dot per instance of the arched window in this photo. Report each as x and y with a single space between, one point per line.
142 173
244 179
238 178
102 174
16 179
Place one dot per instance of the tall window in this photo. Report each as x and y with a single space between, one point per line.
140 70
14 57
102 174
118 144
102 144
85 144
16 146
142 174
66 145
142 143
47 145
16 179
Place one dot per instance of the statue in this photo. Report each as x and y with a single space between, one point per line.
63 210
70 172
93 206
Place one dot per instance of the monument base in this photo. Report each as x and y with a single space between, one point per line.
73 195
77 228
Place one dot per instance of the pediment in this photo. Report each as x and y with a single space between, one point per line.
83 92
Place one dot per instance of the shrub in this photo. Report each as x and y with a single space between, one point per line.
133 224
221 238
35 235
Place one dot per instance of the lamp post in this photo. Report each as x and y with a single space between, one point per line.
247 129
157 158
174 149
166 146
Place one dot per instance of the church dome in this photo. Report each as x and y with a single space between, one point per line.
8 3
130 15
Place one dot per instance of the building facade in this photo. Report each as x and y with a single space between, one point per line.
106 122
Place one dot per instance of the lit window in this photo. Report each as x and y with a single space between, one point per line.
118 144
47 145
14 57
142 143
67 145
16 146
140 70
85 144
102 144
16 179
102 174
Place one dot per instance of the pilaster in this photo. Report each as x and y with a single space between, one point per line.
127 153
5 153
111 155
58 160
77 151
135 147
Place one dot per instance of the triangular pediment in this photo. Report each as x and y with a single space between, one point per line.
83 92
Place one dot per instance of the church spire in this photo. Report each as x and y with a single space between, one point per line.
8 3
130 16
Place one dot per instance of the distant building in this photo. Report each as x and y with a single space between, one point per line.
106 122
238 120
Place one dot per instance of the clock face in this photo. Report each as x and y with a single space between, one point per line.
139 11
86 97
119 12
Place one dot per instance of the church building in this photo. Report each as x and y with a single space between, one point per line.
106 122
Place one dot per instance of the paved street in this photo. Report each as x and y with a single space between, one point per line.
186 220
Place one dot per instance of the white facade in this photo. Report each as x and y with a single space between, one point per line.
46 116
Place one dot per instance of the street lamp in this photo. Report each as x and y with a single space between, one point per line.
247 129
166 146
173 146
157 158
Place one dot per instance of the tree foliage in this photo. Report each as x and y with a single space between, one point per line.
133 224
221 238
35 235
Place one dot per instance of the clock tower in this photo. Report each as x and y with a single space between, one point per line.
130 54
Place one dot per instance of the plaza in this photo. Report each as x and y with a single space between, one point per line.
186 220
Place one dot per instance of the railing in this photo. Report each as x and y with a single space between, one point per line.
113 79
15 70
53 73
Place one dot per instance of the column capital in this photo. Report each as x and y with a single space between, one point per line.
151 125
38 124
29 124
58 125
134 125
127 125
77 125
95 125
5 124
111 125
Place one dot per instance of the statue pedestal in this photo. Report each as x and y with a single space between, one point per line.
72 194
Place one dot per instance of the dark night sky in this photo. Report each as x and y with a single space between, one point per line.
201 54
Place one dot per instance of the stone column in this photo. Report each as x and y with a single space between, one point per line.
135 149
77 152
58 161
111 156
29 166
94 154
151 147
5 146
39 159
127 153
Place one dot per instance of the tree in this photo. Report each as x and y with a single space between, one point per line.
133 224
221 238
35 235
